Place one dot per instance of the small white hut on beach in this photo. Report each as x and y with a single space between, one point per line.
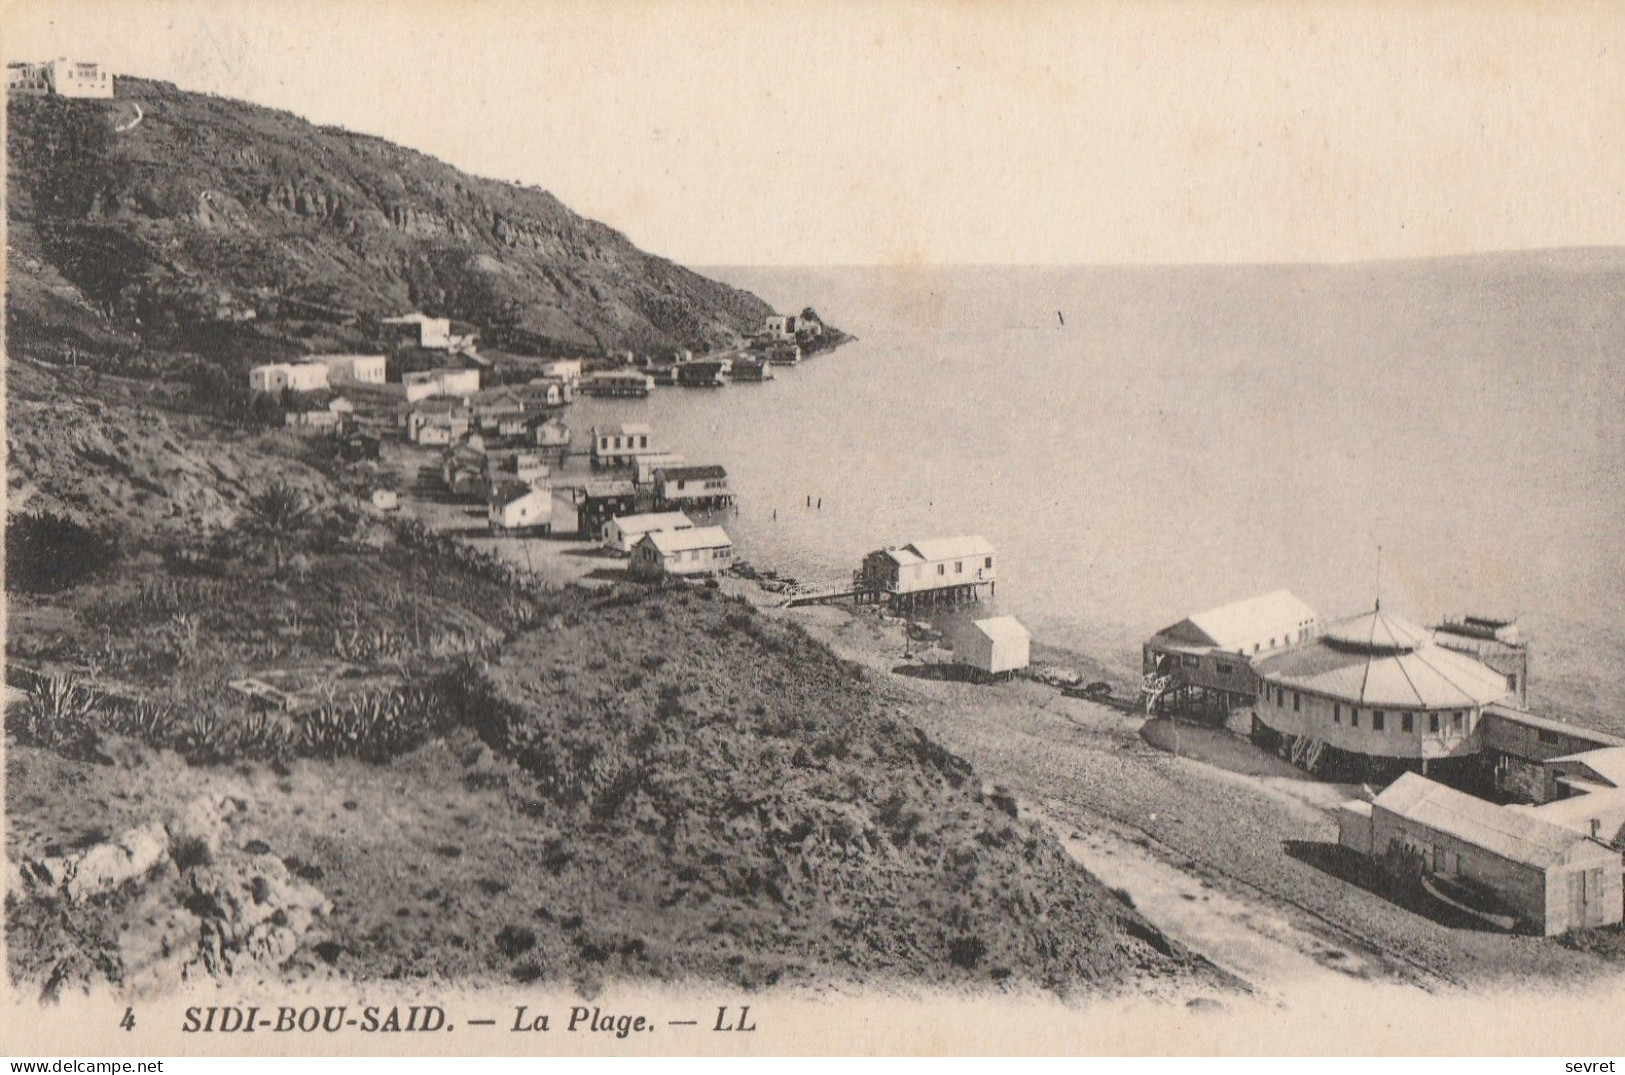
995 646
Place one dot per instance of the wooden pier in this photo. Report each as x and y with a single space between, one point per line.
943 596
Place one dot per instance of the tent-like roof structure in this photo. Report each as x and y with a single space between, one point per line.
1383 662
1231 626
1516 835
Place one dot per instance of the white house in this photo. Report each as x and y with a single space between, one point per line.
565 369
781 326
433 333
30 79
61 76
703 550
527 467
622 444
300 377
515 505
993 646
695 486
622 533
1211 649
934 564
550 433
353 369
442 382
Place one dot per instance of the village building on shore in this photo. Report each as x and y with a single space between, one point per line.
645 467
751 369
621 445
521 466
623 532
516 506
691 487
792 327
595 503
627 382
703 550
567 370
704 373
548 433
437 422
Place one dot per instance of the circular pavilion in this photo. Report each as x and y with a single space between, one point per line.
1377 691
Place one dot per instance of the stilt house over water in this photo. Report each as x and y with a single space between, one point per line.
1210 651
928 572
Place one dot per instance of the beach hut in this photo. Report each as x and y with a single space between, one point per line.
703 550
993 647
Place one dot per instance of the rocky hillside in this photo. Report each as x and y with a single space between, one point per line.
127 231
599 803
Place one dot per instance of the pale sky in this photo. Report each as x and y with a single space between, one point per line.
951 132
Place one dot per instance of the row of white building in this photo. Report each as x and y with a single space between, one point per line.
318 373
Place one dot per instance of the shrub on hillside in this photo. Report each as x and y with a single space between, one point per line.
46 552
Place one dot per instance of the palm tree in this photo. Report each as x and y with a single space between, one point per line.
276 516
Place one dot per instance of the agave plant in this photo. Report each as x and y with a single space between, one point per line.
203 737
59 711
147 720
263 736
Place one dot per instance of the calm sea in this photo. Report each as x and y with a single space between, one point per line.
1190 436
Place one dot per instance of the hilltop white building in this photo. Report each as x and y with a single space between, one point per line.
61 76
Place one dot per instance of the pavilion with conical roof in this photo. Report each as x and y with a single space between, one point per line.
1378 686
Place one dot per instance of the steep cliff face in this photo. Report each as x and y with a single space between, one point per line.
208 205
